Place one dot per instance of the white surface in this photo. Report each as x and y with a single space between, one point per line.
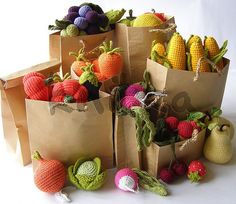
24 42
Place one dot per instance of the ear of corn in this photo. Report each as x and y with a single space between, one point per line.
196 53
176 53
192 38
214 52
158 52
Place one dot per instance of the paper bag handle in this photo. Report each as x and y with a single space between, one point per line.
171 27
65 107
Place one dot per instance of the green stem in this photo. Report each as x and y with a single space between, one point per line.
37 156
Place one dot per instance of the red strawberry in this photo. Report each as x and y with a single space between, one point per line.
172 122
161 16
166 175
195 125
179 168
185 129
196 171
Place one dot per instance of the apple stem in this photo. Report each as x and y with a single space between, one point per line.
223 125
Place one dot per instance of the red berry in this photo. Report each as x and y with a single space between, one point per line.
196 170
179 168
166 175
195 125
172 122
185 129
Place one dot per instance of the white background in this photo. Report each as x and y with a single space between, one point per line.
24 42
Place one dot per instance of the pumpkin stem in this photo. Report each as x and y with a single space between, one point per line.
222 126
153 11
37 156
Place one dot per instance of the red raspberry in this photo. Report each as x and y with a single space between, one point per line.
172 122
185 129
166 175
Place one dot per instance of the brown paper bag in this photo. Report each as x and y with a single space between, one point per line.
126 151
183 93
136 44
156 157
59 47
68 131
13 109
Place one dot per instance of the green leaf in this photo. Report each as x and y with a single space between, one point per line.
98 163
211 126
97 182
196 115
215 112
78 163
53 27
72 177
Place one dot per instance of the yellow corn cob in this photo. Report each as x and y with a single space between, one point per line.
213 49
193 38
197 52
176 53
161 50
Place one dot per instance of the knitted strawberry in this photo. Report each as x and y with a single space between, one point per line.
167 175
196 171
172 122
185 129
195 126
179 168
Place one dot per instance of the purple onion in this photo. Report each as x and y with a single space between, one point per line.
129 101
92 17
92 29
133 89
71 16
103 20
83 10
73 9
81 23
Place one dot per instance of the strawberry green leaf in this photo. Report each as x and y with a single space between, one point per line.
196 115
215 112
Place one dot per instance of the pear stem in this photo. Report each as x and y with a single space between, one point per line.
222 126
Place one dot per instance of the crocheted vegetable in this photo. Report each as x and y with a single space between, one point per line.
36 86
92 17
130 101
150 183
59 25
127 21
81 23
84 10
72 30
145 129
172 122
133 89
92 29
103 21
196 53
185 129
176 53
147 20
73 9
167 175
63 33
96 65
50 175
87 174
192 39
179 168
90 81
214 52
100 77
94 7
71 16
196 171
127 180
110 61
115 15
158 52
80 61
69 91
218 147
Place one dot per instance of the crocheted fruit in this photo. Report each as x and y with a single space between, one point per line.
166 175
214 52
81 23
147 20
150 183
69 91
130 101
115 15
94 7
95 65
110 61
103 21
176 53
92 29
185 129
172 122
87 174
100 77
36 86
71 16
196 171
127 180
133 89
73 9
90 81
92 17
84 10
192 39
218 147
50 175
158 52
195 125
127 21
197 53
179 168
80 61
72 30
